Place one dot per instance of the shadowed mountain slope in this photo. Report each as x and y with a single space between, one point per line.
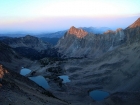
31 47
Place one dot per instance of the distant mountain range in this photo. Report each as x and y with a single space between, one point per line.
96 30
54 36
59 34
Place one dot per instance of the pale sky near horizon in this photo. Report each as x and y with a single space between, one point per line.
55 15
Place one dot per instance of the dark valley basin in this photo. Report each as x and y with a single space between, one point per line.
40 80
98 95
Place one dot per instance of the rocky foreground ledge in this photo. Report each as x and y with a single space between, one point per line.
19 90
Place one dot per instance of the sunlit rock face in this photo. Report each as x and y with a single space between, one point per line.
2 72
79 33
135 24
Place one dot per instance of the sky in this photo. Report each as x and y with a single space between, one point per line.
55 15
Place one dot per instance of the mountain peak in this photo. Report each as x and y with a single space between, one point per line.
109 32
135 24
80 33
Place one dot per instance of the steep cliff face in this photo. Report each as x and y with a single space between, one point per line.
79 43
132 35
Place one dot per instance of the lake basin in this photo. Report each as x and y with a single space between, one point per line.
40 80
98 95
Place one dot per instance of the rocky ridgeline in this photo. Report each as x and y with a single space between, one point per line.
79 43
84 44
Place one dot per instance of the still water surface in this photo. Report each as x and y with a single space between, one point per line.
40 80
98 95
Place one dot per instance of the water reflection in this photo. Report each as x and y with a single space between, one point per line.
41 81
25 71
98 95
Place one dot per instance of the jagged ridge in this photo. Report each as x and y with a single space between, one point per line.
79 43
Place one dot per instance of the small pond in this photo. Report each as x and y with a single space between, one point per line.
40 80
65 78
98 95
25 71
